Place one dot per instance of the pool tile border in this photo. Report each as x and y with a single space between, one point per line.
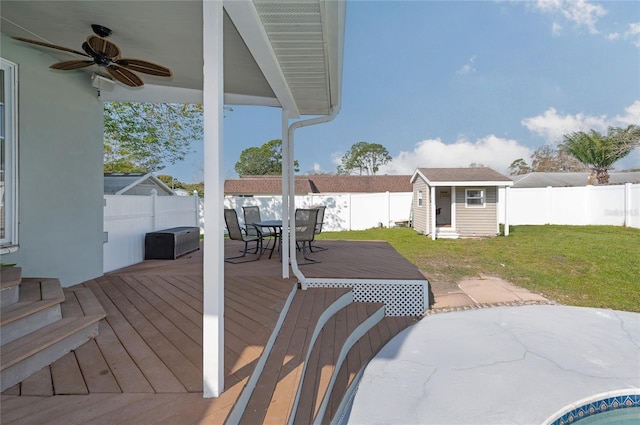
603 402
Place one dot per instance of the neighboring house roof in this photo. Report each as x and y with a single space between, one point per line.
126 183
471 176
271 185
570 179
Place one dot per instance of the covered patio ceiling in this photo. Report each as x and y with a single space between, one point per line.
276 53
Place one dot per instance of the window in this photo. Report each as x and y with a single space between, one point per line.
475 198
8 156
419 198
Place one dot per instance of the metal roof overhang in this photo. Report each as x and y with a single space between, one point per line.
278 53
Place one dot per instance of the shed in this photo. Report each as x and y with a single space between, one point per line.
457 202
135 184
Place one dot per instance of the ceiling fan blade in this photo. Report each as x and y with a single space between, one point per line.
51 46
102 46
69 65
145 67
125 76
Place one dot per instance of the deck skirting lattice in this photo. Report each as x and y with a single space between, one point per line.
400 297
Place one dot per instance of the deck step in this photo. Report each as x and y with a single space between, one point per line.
329 353
275 389
446 233
28 354
38 306
9 280
348 377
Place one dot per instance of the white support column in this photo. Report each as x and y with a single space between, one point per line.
213 305
453 208
286 155
432 198
627 205
506 211
154 208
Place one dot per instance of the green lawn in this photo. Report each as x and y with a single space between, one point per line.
593 266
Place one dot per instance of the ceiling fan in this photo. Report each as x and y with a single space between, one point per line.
106 54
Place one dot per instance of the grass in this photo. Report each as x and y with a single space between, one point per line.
591 266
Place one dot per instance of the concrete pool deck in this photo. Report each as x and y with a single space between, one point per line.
502 365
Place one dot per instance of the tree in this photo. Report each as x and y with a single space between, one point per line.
600 152
547 159
146 136
519 166
364 157
262 161
550 159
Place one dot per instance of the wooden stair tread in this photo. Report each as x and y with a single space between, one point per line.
50 294
324 357
360 355
15 351
283 369
11 276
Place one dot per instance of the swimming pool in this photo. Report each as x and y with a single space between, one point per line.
620 407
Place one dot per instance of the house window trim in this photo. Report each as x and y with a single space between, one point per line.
9 244
483 197
420 198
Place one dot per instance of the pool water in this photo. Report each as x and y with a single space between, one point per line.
627 416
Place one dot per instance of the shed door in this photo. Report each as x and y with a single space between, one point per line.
443 206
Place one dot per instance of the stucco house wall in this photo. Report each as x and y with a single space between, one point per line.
60 169
483 221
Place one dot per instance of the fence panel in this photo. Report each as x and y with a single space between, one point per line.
607 205
127 218
615 205
344 211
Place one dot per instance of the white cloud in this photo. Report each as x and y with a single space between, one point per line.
633 34
631 116
553 126
491 151
556 29
468 67
580 12
613 36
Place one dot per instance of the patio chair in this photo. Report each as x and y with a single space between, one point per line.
251 215
305 231
318 229
237 233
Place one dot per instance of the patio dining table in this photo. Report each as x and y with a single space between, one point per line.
276 227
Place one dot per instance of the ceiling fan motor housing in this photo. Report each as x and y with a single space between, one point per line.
101 31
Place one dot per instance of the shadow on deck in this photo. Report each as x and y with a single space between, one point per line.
145 366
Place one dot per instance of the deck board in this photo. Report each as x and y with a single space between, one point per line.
154 326
38 384
159 376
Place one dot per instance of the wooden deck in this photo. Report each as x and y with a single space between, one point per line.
146 364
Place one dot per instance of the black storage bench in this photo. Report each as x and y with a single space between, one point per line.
170 244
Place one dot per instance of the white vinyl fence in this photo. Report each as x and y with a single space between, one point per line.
344 211
615 205
128 218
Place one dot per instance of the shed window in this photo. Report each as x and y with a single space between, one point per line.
8 156
475 198
419 198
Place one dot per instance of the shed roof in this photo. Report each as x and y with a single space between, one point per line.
570 179
469 175
118 183
270 185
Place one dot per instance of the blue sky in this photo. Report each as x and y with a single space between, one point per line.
449 83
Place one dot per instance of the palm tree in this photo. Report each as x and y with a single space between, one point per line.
600 152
